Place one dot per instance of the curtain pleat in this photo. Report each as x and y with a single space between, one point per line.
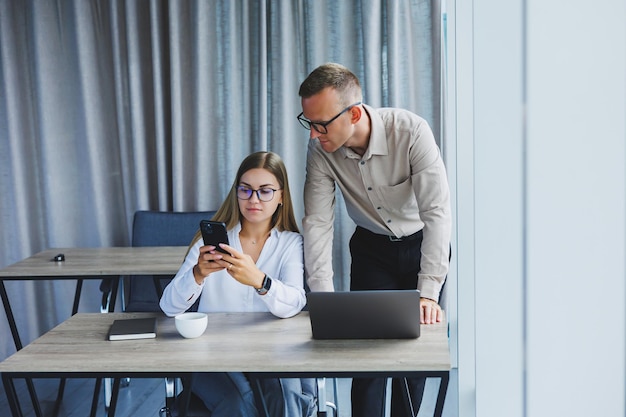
111 107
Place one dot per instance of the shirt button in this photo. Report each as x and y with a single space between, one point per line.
362 162
389 221
369 188
378 208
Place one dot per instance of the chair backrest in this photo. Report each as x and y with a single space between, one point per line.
158 228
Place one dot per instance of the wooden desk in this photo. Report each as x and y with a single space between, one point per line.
264 344
89 263
127 260
86 263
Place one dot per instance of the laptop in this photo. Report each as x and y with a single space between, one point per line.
380 314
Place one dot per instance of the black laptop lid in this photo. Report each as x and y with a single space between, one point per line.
384 314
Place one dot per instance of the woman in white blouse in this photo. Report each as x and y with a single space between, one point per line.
263 271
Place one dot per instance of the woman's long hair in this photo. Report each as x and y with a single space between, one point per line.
283 218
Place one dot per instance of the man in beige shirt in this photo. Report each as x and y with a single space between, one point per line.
389 169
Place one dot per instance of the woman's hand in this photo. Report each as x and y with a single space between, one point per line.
207 263
241 267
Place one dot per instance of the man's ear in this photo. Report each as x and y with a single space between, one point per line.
356 112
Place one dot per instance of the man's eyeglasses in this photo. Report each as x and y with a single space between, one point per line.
264 194
320 127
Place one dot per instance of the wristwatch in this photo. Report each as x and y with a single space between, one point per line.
267 283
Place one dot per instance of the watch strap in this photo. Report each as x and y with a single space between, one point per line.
265 287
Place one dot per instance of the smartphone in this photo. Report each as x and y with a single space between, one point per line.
214 233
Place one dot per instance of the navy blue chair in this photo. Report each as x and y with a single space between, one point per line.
151 228
158 228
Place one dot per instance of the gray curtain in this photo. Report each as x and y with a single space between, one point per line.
108 107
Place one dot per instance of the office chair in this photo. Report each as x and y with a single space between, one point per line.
157 228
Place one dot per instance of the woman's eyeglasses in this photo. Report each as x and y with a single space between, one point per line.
264 194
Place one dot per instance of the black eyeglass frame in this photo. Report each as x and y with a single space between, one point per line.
320 127
257 191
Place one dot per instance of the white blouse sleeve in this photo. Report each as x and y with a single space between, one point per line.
183 290
285 297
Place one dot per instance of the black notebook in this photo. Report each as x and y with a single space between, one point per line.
128 329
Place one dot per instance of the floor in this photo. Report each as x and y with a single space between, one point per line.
144 397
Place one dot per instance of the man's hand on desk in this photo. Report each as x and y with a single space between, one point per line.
430 311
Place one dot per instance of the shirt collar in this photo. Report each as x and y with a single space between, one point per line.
378 138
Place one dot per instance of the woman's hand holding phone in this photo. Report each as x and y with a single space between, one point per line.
207 263
240 266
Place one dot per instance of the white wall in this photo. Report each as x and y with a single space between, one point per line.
539 95
576 148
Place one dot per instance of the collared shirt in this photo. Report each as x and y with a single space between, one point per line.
398 187
281 259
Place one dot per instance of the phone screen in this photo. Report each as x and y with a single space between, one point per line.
214 233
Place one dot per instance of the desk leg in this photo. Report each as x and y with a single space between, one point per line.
96 396
77 293
406 393
79 288
441 396
57 403
113 297
114 396
9 389
10 316
18 344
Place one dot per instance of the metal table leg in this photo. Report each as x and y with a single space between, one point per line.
94 400
9 388
441 396
61 390
18 345
114 396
